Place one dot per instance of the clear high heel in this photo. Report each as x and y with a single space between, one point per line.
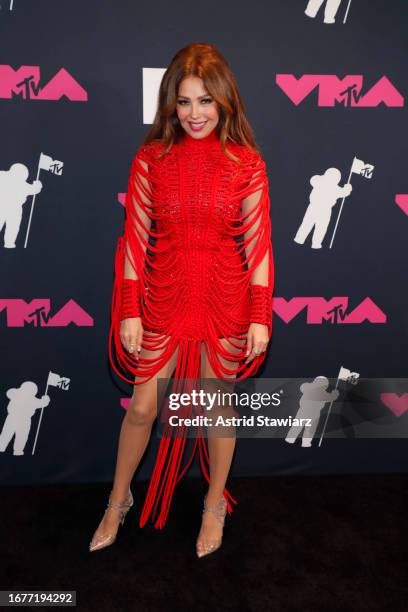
101 541
206 547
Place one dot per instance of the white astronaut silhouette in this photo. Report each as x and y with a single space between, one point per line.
14 191
323 197
21 407
330 11
311 403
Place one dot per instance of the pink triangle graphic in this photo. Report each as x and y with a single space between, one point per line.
402 200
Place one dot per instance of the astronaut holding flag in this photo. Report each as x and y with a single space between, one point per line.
22 405
50 165
326 190
357 167
330 10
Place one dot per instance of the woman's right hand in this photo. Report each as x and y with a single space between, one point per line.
131 334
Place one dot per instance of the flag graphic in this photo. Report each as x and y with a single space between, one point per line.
357 167
51 165
348 376
360 167
55 380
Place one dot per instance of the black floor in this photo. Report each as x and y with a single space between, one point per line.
294 543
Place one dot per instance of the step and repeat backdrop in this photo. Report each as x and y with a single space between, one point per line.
324 85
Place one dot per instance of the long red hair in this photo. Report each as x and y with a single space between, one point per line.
204 61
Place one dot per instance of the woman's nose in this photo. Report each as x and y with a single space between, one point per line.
195 111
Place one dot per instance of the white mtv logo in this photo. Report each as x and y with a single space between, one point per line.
151 83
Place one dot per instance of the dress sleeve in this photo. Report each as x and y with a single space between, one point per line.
138 217
131 257
256 229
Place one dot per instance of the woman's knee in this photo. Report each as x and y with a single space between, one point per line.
140 413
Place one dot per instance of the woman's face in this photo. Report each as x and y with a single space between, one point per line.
196 108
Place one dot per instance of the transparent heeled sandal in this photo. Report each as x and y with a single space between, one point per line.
101 541
205 546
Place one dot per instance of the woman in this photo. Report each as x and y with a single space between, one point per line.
194 279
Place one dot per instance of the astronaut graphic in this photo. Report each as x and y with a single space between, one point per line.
330 11
21 407
14 190
323 197
312 402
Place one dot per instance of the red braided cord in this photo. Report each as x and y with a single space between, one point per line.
261 311
130 306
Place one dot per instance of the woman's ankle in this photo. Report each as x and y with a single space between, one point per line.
119 495
212 499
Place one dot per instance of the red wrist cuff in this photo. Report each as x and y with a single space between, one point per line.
131 304
261 311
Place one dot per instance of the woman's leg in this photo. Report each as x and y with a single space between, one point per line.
221 445
134 435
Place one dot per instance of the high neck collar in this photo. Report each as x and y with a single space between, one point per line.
200 142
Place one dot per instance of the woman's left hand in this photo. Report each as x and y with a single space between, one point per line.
257 340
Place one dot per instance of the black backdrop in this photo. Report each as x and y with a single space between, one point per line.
66 269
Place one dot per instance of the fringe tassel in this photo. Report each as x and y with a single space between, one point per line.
166 472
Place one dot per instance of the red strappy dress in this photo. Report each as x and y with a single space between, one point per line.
194 250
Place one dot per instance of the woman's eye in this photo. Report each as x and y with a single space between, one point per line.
186 102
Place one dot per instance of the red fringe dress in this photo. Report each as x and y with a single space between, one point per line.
194 246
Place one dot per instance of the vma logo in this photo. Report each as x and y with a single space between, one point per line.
36 313
332 91
320 311
24 83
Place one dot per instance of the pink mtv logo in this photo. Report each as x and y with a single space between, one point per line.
319 310
332 90
37 313
25 83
